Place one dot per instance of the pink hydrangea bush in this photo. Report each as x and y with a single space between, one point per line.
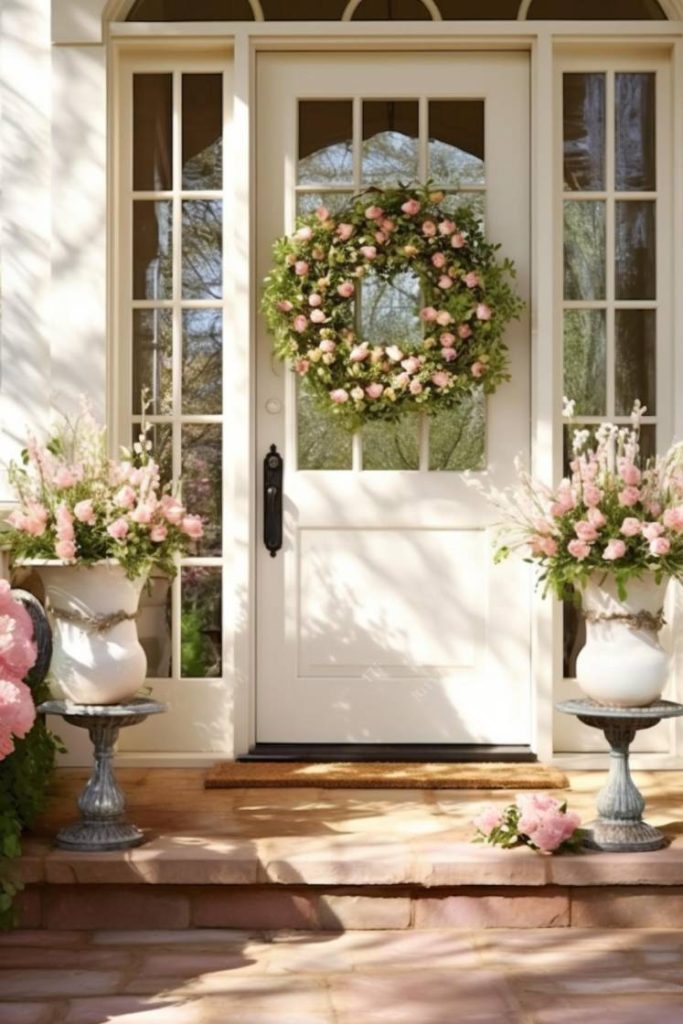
78 505
17 658
611 514
534 820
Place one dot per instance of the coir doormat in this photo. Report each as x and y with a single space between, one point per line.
383 775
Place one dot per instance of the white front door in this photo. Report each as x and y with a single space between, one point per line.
383 619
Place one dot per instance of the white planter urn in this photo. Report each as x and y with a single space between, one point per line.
97 657
623 663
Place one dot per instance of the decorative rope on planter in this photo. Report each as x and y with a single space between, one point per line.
95 623
637 620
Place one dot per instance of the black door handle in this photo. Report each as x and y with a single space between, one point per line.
272 501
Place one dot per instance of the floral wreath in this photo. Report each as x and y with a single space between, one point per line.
466 293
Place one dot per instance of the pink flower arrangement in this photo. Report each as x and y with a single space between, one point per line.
17 658
78 505
311 297
534 820
611 514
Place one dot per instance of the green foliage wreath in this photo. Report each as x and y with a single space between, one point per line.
467 302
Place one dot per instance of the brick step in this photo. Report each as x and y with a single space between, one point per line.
342 881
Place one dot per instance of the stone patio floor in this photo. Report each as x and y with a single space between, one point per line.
544 976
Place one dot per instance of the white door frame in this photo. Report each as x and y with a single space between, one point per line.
540 39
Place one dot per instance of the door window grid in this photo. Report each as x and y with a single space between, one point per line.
411 436
183 638
598 296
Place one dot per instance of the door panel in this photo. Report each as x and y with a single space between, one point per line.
383 620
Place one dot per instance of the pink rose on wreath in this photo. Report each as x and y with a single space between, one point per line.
346 289
301 268
429 228
445 282
318 316
483 312
411 207
464 331
339 396
374 390
368 251
472 279
446 227
444 318
478 369
441 379
439 260
344 231
300 323
428 314
457 240
448 354
374 212
315 300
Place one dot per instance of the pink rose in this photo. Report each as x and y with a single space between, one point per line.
300 323
301 268
66 550
478 369
415 387
322 213
302 366
158 533
85 512
488 819
596 518
411 207
411 364
448 354
318 316
673 518
444 318
653 508
17 713
315 300
171 509
339 396
374 212
346 289
374 390
327 345
380 237
629 473
660 546
192 527
615 549
359 353
428 228
629 497
428 314
142 514
64 477
388 225
630 527
439 260
118 529
472 279
652 530
447 339
585 530
464 331
578 549
344 231
543 545
394 353
368 251
304 234
403 380
445 282
457 240
592 495
483 312
441 379
285 306
446 227
125 497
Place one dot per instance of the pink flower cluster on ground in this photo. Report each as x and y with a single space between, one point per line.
534 820
17 657
545 822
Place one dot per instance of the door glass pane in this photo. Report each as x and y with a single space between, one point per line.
635 124
152 132
584 250
202 249
200 622
474 201
199 10
202 131
388 311
456 142
322 442
391 10
202 476
457 437
325 142
590 10
154 626
585 360
635 250
309 202
152 256
584 132
202 361
635 359
390 141
153 360
392 445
